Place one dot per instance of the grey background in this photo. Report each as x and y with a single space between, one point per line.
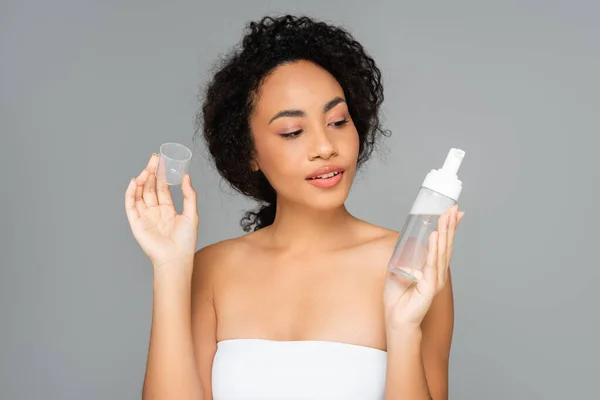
89 89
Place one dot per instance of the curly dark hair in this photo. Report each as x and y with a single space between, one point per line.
229 97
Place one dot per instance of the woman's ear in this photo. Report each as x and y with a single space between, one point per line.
254 165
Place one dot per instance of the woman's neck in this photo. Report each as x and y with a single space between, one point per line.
298 228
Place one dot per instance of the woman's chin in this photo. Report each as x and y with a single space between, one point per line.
327 202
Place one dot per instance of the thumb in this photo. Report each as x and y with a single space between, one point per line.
189 199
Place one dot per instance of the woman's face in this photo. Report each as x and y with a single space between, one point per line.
302 128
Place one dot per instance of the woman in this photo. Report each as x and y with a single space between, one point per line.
302 307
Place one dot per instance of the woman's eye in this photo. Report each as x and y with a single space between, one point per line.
290 134
340 123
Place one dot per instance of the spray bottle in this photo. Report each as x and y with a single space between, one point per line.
440 191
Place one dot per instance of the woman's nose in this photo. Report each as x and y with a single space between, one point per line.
321 146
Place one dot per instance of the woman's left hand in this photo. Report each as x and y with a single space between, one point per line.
407 302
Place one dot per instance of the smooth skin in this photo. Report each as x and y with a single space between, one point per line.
317 273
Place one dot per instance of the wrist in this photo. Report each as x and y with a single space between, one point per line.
176 262
404 333
404 343
174 271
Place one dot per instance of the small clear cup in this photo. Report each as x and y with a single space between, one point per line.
173 163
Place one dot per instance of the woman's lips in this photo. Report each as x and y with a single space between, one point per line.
326 180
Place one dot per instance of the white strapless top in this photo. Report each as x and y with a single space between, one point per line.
258 369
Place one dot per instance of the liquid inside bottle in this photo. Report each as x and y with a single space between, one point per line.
410 254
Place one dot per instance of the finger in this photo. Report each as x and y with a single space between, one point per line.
131 210
460 216
452 224
453 219
190 206
164 193
442 262
430 272
149 192
139 189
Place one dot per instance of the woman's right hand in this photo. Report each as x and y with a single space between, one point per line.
165 236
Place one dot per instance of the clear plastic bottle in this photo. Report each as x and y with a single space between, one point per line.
440 191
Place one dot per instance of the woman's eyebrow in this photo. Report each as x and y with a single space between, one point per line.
299 113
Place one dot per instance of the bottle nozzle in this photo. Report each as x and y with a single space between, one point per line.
445 180
453 161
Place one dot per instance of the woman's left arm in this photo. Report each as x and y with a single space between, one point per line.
437 328
418 359
420 322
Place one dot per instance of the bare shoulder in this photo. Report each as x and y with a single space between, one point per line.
217 252
212 261
378 240
385 238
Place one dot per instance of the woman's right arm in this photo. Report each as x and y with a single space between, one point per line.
169 240
182 348
171 371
